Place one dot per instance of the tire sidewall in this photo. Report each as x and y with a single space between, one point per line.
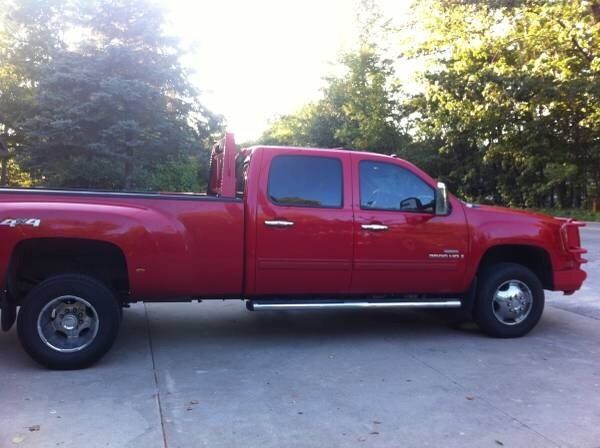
96 293
492 278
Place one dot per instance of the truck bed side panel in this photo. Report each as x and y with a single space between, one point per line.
174 246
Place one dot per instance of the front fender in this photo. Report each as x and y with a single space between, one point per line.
492 227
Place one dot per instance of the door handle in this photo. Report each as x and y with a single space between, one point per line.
375 227
278 223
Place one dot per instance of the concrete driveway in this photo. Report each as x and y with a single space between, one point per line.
215 375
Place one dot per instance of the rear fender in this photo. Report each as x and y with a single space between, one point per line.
139 232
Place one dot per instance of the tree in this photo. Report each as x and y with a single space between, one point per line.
28 38
313 125
114 109
512 99
358 109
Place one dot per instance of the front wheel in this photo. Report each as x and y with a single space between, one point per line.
510 300
68 321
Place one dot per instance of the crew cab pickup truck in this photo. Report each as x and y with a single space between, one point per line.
281 228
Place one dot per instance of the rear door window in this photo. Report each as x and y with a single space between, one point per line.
306 181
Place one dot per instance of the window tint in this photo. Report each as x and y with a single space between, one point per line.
306 181
384 186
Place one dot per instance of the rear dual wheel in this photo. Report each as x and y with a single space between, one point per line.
69 321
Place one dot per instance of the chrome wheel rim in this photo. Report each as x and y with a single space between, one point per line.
512 302
68 324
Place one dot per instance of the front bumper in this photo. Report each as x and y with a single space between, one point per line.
569 281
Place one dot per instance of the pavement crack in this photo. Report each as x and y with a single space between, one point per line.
486 401
156 382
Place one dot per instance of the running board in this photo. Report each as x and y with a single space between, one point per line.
272 305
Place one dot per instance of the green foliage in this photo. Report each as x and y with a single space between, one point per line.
313 125
182 174
512 96
114 110
578 214
508 108
28 38
16 176
358 109
364 102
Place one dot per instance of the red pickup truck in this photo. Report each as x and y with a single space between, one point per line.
282 228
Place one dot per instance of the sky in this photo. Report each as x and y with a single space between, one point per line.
257 59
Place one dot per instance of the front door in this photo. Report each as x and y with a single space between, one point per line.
401 246
304 225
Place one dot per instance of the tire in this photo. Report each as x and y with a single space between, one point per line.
510 300
68 321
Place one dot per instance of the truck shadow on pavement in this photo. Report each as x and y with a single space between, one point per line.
305 324
188 328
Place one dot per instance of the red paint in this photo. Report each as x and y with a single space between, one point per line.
202 246
398 259
313 256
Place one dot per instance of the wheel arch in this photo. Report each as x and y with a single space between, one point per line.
36 259
535 258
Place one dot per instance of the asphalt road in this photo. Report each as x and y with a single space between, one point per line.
215 375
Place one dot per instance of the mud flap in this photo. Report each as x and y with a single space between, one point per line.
470 297
8 312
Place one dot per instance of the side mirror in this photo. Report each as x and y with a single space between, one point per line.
411 204
441 199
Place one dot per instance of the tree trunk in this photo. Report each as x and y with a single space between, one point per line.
596 199
571 196
127 175
596 10
4 175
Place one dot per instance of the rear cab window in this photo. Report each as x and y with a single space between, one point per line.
306 181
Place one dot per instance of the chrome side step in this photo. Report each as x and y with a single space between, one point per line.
320 305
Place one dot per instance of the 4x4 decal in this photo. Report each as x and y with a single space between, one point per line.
35 222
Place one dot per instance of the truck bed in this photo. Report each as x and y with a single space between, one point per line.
176 244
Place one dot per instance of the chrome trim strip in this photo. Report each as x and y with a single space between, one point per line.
350 305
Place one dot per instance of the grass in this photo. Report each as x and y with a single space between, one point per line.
581 215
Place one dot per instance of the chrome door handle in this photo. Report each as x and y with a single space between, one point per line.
376 227
278 223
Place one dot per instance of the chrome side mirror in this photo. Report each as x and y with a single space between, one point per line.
441 199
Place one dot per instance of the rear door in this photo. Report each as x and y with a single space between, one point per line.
401 246
304 223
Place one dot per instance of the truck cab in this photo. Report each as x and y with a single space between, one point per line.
341 222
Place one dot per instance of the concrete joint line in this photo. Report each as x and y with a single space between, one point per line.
156 383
